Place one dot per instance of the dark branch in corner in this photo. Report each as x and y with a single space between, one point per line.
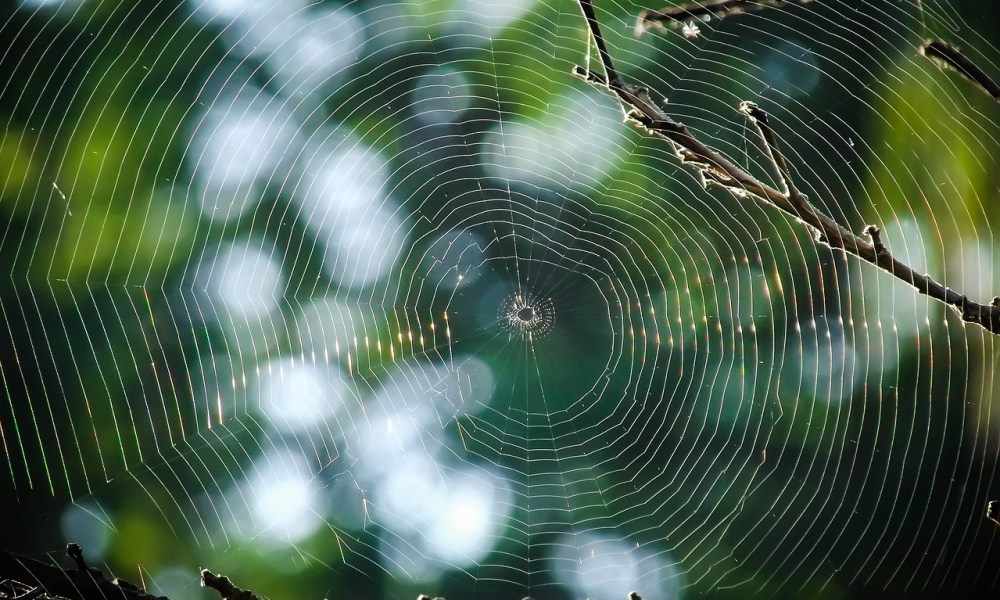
82 583
679 15
27 578
716 168
946 56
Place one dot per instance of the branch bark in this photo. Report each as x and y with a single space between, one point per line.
716 168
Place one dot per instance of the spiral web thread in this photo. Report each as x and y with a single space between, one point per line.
378 294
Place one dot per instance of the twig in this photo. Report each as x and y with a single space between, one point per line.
715 168
875 235
679 15
602 49
225 587
75 552
946 56
758 117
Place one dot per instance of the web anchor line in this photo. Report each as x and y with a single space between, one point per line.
715 168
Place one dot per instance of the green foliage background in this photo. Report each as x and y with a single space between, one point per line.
881 489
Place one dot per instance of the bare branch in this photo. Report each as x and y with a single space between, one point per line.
716 168
679 15
946 56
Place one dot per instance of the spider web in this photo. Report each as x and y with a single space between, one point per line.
372 299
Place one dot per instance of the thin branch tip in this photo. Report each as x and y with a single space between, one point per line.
797 202
875 235
948 57
74 551
752 111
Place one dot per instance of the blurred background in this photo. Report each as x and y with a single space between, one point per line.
368 299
